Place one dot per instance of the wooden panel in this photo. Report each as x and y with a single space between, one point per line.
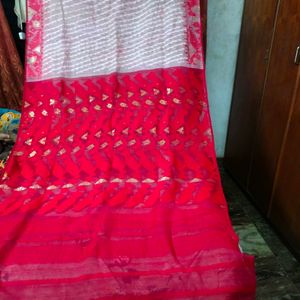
280 87
255 42
285 207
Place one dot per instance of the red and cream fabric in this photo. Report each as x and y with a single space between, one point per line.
112 190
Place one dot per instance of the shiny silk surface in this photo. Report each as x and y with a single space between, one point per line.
112 190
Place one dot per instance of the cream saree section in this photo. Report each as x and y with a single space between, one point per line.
88 38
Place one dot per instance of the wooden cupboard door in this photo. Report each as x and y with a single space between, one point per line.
285 206
276 103
255 42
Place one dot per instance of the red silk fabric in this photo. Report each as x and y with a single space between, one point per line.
112 191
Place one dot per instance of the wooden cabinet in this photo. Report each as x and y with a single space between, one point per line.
263 141
284 210
255 44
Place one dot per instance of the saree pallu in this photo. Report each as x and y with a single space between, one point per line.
112 190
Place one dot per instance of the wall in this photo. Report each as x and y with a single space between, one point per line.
224 22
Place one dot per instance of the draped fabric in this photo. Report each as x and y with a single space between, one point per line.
11 70
112 190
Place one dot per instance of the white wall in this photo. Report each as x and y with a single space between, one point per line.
224 22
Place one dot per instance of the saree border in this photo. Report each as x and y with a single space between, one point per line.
195 50
34 43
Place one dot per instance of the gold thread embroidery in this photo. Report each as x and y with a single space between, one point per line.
148 180
56 140
112 133
169 91
28 142
180 130
71 138
130 94
32 60
117 144
62 151
52 187
47 152
132 180
57 111
146 142
116 180
68 186
90 147
85 183
84 136
125 131
175 142
143 92
20 189
98 134
149 102
132 142
32 154
153 130
156 91
101 181
36 24
35 187
104 145
139 130
18 153
76 149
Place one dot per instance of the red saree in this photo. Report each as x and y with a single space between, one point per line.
112 190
